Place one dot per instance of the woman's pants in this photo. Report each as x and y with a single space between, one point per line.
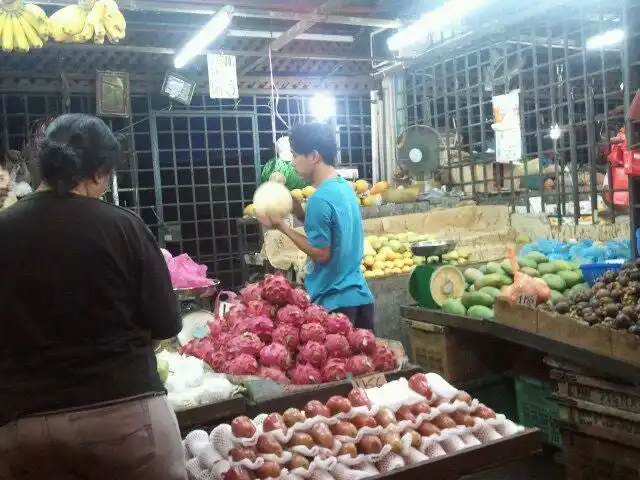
136 439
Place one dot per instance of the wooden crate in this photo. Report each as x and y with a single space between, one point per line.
454 354
597 407
577 386
590 458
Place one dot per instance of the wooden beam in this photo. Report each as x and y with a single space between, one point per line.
302 26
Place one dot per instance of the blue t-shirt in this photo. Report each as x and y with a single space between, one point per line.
333 220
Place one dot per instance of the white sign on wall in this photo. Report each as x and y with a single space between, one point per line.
506 113
223 76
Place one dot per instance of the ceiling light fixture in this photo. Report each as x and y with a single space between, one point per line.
448 14
207 34
606 39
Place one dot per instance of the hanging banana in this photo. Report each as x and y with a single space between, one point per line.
23 26
89 20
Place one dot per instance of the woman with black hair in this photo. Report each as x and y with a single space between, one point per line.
84 293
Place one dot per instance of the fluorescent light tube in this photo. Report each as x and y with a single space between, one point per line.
213 29
606 39
448 14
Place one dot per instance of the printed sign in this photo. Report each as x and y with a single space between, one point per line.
223 76
509 145
369 381
506 113
526 300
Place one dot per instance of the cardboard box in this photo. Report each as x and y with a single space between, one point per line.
566 329
455 355
516 316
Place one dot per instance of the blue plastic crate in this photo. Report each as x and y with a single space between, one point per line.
592 272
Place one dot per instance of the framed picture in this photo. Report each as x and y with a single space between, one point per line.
113 94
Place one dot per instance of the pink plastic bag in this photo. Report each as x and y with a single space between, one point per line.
185 273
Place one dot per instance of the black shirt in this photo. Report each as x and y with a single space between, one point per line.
84 290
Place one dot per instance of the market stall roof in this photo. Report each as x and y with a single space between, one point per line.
316 45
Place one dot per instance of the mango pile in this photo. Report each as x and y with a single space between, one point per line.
485 283
390 254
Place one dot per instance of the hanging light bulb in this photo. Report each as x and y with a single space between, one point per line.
555 132
323 107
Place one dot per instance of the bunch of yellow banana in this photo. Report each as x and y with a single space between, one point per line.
88 20
23 26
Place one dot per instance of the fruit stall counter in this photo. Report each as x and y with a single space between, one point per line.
264 395
406 428
606 364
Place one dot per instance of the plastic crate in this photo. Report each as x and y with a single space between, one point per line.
497 392
537 409
592 272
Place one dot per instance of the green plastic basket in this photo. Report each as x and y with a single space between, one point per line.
497 392
537 409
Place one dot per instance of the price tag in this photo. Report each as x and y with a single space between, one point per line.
527 300
369 381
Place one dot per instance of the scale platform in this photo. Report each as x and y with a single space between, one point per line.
431 284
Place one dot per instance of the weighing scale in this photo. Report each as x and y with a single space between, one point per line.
431 284
194 306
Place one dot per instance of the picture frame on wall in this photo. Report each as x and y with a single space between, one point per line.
113 94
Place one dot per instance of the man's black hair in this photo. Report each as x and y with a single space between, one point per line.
306 138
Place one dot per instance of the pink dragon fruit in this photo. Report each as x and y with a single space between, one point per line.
222 340
262 327
362 341
287 335
236 312
275 355
243 364
275 374
312 332
314 353
216 359
316 314
290 315
384 360
276 290
300 298
359 365
260 308
217 327
339 323
248 343
251 292
305 374
337 346
334 370
241 325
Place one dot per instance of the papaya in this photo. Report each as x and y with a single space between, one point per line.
454 306
480 311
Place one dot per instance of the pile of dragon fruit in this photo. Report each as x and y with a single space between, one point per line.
273 331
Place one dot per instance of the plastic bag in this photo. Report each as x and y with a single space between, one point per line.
185 273
524 284
277 165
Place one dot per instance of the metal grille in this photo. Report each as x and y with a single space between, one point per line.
561 83
206 164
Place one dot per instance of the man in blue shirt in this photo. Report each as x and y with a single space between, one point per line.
333 224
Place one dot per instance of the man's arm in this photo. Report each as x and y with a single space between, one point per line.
320 255
317 243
